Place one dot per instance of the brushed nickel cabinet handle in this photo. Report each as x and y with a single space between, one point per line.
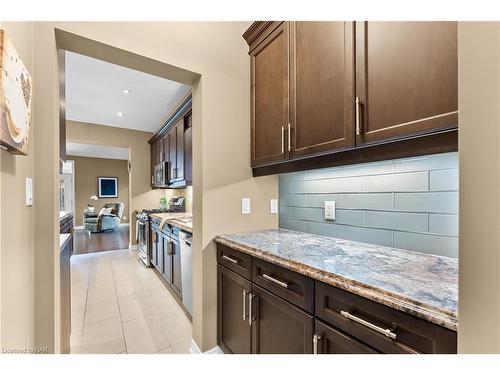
358 127
289 138
316 338
250 318
275 281
244 305
385 331
230 259
282 139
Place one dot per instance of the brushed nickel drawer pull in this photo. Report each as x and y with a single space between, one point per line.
358 129
275 281
282 139
387 332
289 138
230 259
244 305
250 318
316 338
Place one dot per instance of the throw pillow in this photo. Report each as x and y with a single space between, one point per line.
105 211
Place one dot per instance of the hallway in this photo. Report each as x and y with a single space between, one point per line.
119 306
104 241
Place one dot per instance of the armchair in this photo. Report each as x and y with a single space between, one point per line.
100 222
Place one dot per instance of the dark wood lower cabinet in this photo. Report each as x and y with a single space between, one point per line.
331 341
166 270
278 327
255 317
233 330
176 266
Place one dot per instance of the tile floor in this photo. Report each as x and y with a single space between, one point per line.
120 306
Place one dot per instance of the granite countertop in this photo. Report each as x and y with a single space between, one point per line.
182 220
419 284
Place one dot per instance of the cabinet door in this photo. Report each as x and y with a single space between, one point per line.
331 341
154 248
321 87
406 78
166 148
159 252
172 136
176 268
269 98
279 327
233 329
188 155
167 258
179 132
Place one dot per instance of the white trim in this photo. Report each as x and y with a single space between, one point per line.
124 224
132 247
78 227
195 349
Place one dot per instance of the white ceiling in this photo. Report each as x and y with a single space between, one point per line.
94 94
96 151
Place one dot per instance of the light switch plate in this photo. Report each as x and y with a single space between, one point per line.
29 191
329 210
245 206
274 206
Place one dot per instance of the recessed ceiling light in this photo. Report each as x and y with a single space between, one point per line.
120 114
126 91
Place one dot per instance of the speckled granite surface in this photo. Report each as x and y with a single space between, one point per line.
182 220
422 285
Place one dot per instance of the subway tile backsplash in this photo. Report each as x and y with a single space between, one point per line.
407 203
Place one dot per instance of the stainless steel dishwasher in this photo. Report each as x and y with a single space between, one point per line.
185 240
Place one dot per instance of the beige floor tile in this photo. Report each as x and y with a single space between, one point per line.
128 286
152 284
133 306
98 291
177 328
143 336
105 337
163 304
166 351
101 309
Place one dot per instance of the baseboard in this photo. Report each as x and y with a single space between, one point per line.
194 349
78 227
124 224
132 247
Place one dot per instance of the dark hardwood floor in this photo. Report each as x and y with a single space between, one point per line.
96 242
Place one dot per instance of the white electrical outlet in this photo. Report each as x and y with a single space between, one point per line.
273 206
245 206
329 210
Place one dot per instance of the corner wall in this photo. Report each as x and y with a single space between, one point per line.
479 141
16 223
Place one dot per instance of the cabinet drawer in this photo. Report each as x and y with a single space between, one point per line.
291 286
332 341
360 317
235 260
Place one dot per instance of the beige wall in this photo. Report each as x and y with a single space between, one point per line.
221 131
16 224
479 145
87 170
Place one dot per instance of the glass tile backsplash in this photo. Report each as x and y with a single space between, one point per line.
407 203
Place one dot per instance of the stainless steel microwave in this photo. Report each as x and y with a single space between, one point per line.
160 178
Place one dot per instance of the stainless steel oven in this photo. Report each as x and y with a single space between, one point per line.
143 246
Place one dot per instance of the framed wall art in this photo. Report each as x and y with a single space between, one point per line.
15 99
107 187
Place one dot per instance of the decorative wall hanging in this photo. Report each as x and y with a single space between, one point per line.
108 187
15 99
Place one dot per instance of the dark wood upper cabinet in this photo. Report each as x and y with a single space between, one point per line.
323 91
179 134
269 97
188 151
321 87
233 330
406 78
